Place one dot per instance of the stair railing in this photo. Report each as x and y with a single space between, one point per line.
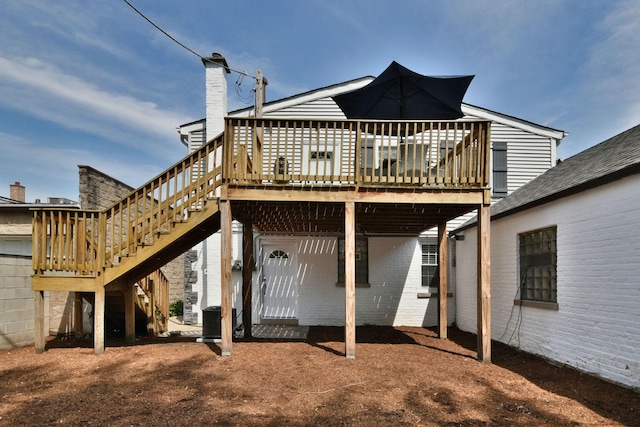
82 242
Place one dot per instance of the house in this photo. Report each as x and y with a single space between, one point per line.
332 213
396 272
565 256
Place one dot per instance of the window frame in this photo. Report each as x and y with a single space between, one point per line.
537 267
500 167
362 261
434 282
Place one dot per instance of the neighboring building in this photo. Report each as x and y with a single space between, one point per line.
396 274
16 296
565 257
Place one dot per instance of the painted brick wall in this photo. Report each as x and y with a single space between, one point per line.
16 302
395 278
596 326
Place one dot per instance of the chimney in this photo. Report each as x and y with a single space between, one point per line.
216 93
17 192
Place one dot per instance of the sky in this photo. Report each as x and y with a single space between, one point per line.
93 83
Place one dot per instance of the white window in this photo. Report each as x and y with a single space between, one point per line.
429 265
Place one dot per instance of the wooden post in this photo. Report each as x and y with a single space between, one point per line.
98 318
99 302
247 276
39 331
226 279
350 280
484 285
130 313
152 317
260 92
443 268
77 314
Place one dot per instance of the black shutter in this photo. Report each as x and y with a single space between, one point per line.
499 169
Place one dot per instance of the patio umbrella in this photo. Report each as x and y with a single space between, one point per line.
399 93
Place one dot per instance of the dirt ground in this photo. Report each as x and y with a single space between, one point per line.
401 376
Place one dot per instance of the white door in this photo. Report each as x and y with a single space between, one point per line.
279 284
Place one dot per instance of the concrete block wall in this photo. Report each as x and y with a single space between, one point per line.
16 302
595 326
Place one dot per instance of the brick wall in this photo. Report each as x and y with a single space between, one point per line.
595 326
395 279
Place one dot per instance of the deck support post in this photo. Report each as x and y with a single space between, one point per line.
484 285
443 278
226 278
247 276
77 314
130 314
99 305
350 279
39 331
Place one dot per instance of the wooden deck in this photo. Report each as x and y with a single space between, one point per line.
280 175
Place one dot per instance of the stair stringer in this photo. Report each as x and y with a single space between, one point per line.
182 237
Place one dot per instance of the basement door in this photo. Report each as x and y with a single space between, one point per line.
279 284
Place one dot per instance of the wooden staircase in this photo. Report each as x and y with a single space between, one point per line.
87 251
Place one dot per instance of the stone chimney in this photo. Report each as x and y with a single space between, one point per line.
17 192
216 93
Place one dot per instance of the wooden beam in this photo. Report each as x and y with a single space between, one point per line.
130 314
226 279
342 195
247 276
350 280
484 285
98 320
63 283
443 268
39 325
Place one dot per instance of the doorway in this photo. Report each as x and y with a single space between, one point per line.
279 282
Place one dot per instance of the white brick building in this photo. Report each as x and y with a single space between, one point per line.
592 323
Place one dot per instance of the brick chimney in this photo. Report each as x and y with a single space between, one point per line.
17 192
216 93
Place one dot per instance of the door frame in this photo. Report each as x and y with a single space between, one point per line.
266 247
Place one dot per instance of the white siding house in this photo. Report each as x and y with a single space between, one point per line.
392 293
591 317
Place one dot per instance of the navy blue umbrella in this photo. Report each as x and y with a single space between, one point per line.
399 93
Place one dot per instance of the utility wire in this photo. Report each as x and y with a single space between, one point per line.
179 43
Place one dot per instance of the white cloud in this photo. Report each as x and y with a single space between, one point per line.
52 171
34 87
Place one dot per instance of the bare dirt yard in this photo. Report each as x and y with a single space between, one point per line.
401 376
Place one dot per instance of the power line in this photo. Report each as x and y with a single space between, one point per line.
179 43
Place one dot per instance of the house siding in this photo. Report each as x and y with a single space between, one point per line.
595 326
323 108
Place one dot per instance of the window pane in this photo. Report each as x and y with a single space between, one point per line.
362 260
538 257
429 265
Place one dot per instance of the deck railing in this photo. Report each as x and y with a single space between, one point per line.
349 152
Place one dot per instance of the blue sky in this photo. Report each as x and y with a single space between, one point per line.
92 83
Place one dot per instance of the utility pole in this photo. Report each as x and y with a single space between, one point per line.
260 92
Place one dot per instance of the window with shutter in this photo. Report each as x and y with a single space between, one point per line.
499 169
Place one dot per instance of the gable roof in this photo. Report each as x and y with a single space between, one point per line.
338 88
613 159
